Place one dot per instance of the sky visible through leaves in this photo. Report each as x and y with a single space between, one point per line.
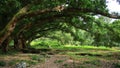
113 6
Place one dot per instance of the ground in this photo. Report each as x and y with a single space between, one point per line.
65 58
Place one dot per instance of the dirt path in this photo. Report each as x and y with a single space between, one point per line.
56 61
62 61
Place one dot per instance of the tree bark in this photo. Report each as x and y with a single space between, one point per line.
23 42
5 45
16 43
19 42
12 24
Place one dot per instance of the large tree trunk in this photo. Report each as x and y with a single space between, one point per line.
22 42
9 28
22 13
19 42
16 43
5 45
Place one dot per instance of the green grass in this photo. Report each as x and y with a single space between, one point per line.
55 45
89 54
72 47
88 47
12 62
2 63
35 57
10 52
45 44
39 58
93 62
59 61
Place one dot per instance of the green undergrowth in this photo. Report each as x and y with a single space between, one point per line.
39 58
68 47
10 52
2 63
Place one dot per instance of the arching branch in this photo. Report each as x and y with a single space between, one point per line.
23 13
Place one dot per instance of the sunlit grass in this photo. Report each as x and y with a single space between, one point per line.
88 47
73 47
34 43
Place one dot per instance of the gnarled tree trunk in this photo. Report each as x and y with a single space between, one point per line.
9 28
5 45
19 42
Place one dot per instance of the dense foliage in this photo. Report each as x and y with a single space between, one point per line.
25 20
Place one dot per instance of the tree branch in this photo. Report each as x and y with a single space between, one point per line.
62 9
73 10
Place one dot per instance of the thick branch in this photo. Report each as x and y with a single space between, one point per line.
74 10
23 13
11 25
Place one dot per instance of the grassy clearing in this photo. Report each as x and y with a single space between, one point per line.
70 47
96 56
88 56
